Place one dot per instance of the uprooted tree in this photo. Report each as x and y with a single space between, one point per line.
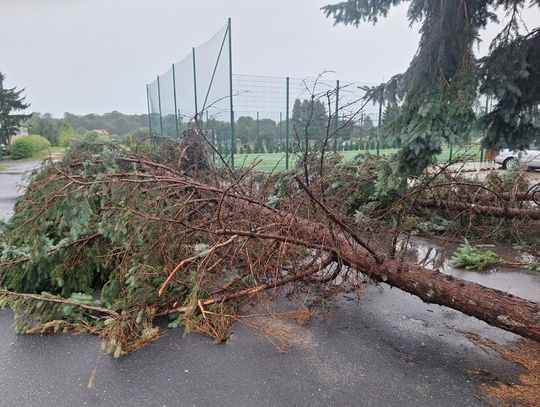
107 241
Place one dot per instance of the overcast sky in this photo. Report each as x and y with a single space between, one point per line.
84 56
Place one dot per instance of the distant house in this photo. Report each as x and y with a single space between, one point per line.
102 133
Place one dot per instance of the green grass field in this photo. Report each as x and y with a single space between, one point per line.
271 161
51 152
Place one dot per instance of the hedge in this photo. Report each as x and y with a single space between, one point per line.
26 146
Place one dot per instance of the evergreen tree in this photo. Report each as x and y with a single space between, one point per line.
310 116
11 100
47 126
388 135
259 148
439 89
246 129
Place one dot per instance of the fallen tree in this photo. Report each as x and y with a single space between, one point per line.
492 306
480 209
154 238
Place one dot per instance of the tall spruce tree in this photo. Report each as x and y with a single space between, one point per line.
438 90
11 100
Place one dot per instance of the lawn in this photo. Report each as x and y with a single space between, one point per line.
54 153
271 161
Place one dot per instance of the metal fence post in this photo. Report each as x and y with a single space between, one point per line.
287 126
379 128
361 138
175 105
343 121
195 81
206 125
336 118
149 114
233 138
280 132
258 126
482 143
215 146
159 101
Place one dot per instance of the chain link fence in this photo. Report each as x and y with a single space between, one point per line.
247 117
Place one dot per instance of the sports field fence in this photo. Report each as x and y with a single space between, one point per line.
243 116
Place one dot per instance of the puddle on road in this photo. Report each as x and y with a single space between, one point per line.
514 280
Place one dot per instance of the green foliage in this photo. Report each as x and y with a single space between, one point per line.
259 148
60 130
11 100
472 258
253 134
435 225
26 146
54 130
114 122
95 137
532 266
512 75
438 91
356 11
28 311
528 245
66 136
309 116
86 245
91 137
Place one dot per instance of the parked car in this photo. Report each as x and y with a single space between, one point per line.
530 157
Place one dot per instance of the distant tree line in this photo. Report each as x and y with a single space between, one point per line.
266 135
59 131
252 136
114 122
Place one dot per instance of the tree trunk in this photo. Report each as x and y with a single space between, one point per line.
484 210
495 307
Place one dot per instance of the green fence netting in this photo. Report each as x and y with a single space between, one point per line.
246 117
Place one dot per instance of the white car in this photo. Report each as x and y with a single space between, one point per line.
530 157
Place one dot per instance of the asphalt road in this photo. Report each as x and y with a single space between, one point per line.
391 350
11 184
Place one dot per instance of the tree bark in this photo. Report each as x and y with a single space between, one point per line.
484 210
495 307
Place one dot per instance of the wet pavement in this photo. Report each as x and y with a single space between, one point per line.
514 280
12 184
390 350
480 170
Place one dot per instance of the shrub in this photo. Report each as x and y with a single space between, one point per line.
66 135
26 146
95 137
91 137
